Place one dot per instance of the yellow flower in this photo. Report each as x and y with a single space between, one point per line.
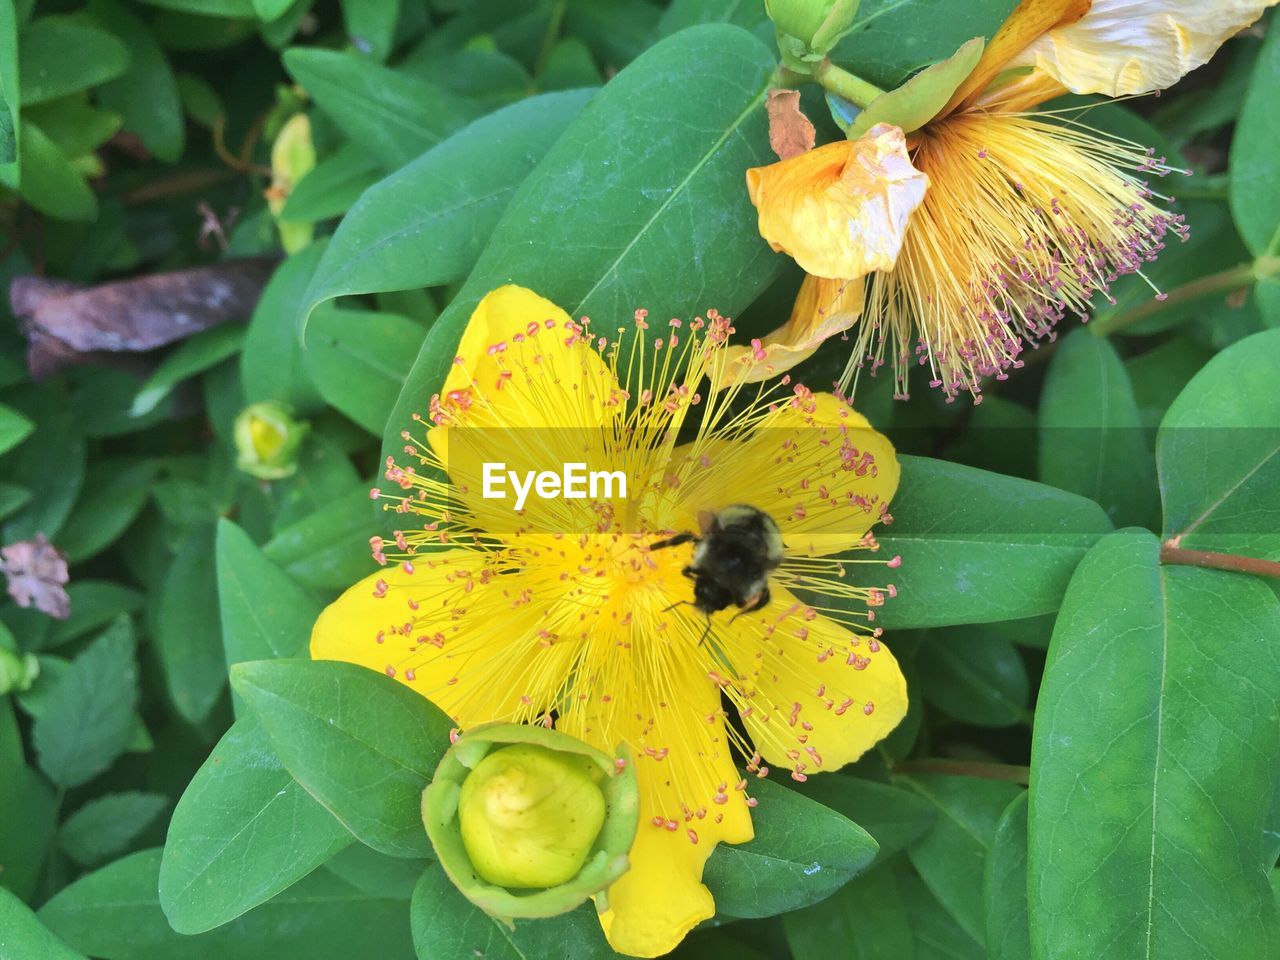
564 613
1025 218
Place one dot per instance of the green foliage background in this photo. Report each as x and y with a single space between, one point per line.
1089 768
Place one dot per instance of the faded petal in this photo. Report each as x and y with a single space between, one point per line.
840 211
1126 47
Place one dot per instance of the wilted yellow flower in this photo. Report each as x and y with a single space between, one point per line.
1025 216
573 612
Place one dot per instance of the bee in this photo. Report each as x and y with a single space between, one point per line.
738 548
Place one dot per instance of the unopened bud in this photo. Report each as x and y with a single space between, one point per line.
18 671
808 29
267 440
292 156
523 808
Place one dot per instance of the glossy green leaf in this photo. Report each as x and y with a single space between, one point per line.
105 827
208 8
1148 800
371 25
325 472
75 126
264 613
937 935
974 676
358 361
978 547
242 832
27 815
360 743
426 223
918 101
12 499
329 548
332 186
951 857
88 715
194 356
271 365
47 72
22 935
49 181
1004 886
1091 437
115 914
94 604
146 95
446 924
397 117
1218 452
115 491
866 919
1255 195
674 131
51 461
9 94
802 852
14 428
893 816
184 625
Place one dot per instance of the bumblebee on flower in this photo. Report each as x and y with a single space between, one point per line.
955 224
583 614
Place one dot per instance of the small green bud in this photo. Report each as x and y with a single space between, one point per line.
267 440
18 671
808 29
293 156
530 822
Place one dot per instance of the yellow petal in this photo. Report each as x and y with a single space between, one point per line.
661 897
1126 47
815 465
422 627
817 695
822 309
840 211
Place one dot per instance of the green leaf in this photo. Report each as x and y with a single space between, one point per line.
76 127
328 549
28 815
332 186
94 604
242 832
1218 452
866 918
673 132
1159 698
447 924
1255 195
371 26
1159 375
184 625
271 365
115 492
975 677
264 613
951 857
208 8
48 72
23 935
937 935
358 361
324 472
193 356
894 38
894 817
362 744
12 499
105 827
1004 886
88 715
978 547
397 117
146 95
51 461
802 852
1091 437
49 181
9 94
14 428
115 913
918 101
426 223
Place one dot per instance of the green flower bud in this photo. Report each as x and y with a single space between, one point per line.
530 822
18 671
267 440
808 29
293 156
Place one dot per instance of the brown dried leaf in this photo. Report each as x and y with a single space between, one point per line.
790 132
37 573
66 324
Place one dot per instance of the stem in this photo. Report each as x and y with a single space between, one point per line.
967 768
550 37
1224 281
1218 561
854 89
